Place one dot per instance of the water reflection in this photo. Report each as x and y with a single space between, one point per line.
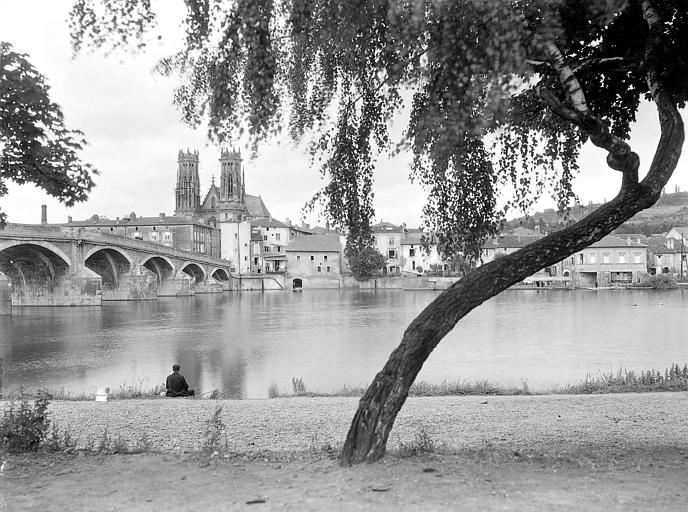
240 343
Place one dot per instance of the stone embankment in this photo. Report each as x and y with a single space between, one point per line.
559 423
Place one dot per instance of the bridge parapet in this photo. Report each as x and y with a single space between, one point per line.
76 235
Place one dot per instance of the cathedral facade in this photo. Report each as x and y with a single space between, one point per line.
226 209
227 202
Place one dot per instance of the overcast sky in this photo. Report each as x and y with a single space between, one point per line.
134 133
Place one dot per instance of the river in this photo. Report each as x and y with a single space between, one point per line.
242 342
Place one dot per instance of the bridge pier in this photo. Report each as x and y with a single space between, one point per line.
5 295
83 289
211 285
179 286
138 284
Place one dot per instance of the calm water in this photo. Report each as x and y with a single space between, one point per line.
242 342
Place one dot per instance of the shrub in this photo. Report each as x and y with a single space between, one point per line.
419 269
662 281
24 426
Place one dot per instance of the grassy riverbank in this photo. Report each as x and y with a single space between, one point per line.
674 378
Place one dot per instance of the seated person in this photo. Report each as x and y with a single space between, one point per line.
176 384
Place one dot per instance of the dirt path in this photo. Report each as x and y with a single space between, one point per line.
486 480
578 453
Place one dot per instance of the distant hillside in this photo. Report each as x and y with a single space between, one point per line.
671 210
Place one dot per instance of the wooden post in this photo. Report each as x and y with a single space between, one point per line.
0 377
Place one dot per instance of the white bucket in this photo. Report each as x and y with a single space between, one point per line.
101 395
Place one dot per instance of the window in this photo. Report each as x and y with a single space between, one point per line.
312 257
592 256
391 241
413 265
622 257
255 260
298 258
266 248
325 258
167 236
328 269
279 248
412 252
277 236
392 254
581 259
154 237
236 235
605 257
319 269
265 238
636 257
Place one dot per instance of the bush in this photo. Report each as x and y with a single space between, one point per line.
419 269
662 281
24 427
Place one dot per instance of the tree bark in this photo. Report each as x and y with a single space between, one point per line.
367 437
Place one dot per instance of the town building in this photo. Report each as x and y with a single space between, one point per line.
553 276
667 255
416 258
171 231
388 238
269 239
679 233
315 261
610 261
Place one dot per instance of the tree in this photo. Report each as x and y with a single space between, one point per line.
365 262
35 145
503 94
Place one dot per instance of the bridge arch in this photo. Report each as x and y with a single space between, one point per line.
220 274
109 263
32 264
160 266
195 271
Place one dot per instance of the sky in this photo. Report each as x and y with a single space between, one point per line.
134 134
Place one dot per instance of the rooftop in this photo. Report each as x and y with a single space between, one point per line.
269 223
315 243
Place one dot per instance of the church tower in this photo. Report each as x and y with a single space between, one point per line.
188 190
231 177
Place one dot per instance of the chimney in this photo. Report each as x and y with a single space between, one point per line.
628 240
44 214
69 219
132 216
162 215
117 220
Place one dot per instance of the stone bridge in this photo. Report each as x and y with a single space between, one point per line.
52 267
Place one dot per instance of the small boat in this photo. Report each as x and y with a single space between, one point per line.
595 288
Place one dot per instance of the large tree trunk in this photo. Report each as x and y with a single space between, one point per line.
377 410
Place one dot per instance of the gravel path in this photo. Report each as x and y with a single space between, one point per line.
547 423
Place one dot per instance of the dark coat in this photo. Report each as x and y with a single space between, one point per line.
176 385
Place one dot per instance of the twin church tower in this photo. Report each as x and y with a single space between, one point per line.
228 202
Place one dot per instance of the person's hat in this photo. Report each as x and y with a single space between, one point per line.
175 367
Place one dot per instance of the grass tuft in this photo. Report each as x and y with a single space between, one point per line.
273 390
298 386
421 444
